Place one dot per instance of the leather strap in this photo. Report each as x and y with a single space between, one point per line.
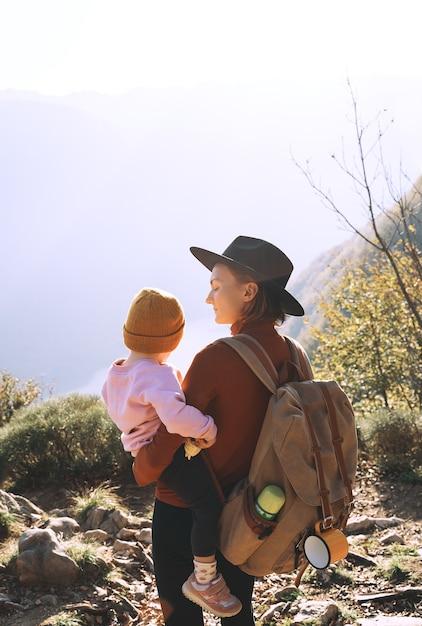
327 511
249 355
337 441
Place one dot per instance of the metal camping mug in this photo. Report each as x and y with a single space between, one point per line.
325 546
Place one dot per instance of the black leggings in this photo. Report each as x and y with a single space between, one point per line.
194 483
172 554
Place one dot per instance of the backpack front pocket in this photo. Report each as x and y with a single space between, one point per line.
244 529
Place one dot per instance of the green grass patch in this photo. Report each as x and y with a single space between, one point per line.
103 495
396 549
396 570
88 557
65 619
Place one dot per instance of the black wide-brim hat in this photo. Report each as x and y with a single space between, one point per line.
261 259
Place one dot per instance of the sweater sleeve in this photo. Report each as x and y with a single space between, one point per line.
168 400
153 458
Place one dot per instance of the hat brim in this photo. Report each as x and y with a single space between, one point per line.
209 259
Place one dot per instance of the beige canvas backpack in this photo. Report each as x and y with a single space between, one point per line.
308 447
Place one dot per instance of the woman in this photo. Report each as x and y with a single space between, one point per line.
248 292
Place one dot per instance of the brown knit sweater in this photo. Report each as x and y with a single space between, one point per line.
219 384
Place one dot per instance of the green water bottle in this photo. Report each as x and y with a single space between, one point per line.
270 501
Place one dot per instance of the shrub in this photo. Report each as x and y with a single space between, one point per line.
393 440
14 395
67 440
6 523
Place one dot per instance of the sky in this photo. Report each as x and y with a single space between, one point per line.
61 46
210 96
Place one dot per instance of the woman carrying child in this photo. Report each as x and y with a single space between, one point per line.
248 292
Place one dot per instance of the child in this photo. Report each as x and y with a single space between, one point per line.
143 391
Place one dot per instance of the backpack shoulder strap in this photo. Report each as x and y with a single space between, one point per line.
300 359
254 355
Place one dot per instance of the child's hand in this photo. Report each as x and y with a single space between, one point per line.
203 443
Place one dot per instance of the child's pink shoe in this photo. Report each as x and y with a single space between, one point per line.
214 596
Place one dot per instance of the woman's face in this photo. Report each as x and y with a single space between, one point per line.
228 296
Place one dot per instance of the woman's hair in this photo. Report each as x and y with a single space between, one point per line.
267 303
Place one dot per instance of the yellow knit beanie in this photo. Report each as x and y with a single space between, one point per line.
154 323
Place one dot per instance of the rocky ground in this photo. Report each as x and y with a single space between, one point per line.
380 582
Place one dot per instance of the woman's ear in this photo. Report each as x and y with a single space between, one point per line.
250 291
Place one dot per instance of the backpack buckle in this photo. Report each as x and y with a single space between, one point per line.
327 522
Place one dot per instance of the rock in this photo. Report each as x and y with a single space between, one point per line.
42 559
121 582
359 524
139 591
359 559
145 535
109 526
363 524
119 518
128 534
387 522
269 614
49 599
7 602
356 538
18 504
290 592
66 526
100 591
97 535
138 522
129 547
130 566
391 537
321 612
390 620
95 517
27 507
59 513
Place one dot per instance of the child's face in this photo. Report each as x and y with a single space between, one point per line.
228 296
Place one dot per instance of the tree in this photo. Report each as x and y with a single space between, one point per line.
370 342
15 394
391 232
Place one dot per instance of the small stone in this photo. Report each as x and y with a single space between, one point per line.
138 522
95 517
121 582
127 546
49 599
97 535
119 518
139 592
59 513
65 526
387 522
109 526
391 537
269 614
145 535
100 591
321 612
128 534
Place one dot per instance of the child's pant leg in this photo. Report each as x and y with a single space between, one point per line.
193 481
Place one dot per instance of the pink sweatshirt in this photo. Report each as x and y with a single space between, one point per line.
141 395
